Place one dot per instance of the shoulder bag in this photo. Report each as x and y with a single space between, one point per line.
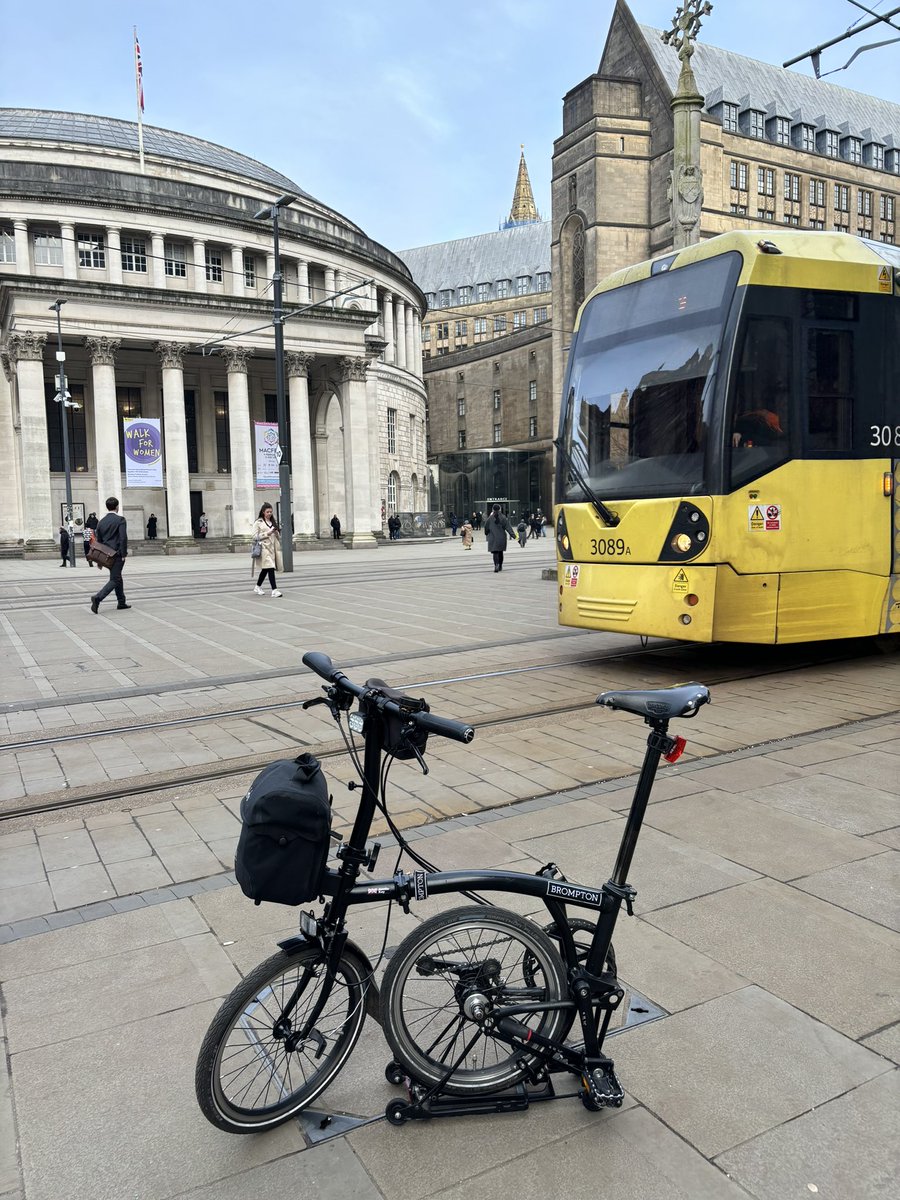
101 554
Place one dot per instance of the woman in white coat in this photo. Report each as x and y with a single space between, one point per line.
268 535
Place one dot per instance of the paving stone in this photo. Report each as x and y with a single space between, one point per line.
224 848
10 841
63 850
886 1042
27 900
329 1172
840 803
119 843
21 864
874 769
868 887
188 861
137 875
847 1147
30 927
214 823
80 885
163 829
62 920
770 1060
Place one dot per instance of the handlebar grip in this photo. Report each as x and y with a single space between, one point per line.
321 664
444 727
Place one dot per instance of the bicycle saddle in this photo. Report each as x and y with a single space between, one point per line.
661 703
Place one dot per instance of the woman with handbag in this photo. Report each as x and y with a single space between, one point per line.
265 551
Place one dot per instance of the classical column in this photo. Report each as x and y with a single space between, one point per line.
10 503
69 257
178 487
23 250
387 314
240 441
26 353
157 262
321 440
303 281
270 273
356 452
107 434
301 448
114 258
417 346
411 319
237 271
374 447
199 267
329 284
400 306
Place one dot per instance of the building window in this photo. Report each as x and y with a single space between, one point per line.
426 333
392 431
830 143
496 399
540 314
7 246
483 292
817 192
91 249
176 265
765 181
442 330
134 254
480 325
782 131
738 175
128 406
852 149
464 295
462 329
461 406
413 448
460 439
756 123
76 429
873 156
864 203
886 208
816 224
429 299
223 433
499 325
730 117
523 285
214 272
442 350
249 271
504 287
792 218
190 430
520 320
739 210
765 214
892 161
841 197
543 281
498 434
445 297
532 427
532 391
393 491
47 248
791 186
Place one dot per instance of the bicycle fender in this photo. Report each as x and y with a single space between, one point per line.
293 945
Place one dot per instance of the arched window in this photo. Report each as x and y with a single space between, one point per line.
414 498
393 492
578 268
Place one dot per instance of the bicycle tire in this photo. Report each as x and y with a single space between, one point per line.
240 1097
417 1002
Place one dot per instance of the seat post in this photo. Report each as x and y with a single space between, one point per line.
655 747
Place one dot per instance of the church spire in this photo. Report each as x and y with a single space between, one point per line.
523 208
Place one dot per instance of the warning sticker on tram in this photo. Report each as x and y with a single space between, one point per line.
764 518
680 582
884 279
572 571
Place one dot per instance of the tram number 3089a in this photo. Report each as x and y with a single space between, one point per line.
613 546
885 435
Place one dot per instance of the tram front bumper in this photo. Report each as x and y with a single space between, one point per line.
652 600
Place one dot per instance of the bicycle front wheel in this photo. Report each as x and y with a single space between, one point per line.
457 962
253 1070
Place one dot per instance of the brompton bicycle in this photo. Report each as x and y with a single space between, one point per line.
476 1004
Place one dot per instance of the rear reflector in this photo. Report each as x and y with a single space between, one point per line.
677 750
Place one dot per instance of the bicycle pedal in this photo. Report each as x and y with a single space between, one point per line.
604 1087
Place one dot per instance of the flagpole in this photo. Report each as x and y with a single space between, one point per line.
138 84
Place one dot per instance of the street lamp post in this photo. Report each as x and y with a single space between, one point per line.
284 465
62 399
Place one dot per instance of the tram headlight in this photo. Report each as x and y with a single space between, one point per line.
681 543
688 536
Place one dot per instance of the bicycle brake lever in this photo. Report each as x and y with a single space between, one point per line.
317 700
420 759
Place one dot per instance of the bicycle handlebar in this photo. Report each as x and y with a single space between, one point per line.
427 722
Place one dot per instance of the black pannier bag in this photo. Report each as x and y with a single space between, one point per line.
283 847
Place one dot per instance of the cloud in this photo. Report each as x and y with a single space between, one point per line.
411 93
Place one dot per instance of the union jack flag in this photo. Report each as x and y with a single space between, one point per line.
139 71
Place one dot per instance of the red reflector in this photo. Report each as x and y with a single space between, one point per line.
677 750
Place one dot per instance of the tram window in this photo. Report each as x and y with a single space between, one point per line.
829 388
760 426
829 306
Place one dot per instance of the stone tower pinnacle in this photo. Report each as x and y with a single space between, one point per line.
523 208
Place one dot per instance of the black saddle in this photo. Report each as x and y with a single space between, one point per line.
662 704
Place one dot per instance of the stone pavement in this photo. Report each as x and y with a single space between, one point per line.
766 930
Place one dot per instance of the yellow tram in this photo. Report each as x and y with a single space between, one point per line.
729 447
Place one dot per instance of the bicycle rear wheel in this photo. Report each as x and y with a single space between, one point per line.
482 955
252 1073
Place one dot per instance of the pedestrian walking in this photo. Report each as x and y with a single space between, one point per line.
522 531
335 528
203 525
497 529
467 534
113 532
87 536
454 523
267 535
64 542
151 527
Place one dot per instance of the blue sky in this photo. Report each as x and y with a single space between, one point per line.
407 117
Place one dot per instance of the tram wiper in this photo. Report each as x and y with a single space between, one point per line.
606 515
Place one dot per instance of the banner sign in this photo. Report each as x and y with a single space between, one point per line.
143 452
267 456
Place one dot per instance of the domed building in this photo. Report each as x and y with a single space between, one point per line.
166 277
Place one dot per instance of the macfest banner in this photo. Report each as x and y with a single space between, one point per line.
266 442
143 452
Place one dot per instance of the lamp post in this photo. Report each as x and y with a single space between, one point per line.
284 465
62 399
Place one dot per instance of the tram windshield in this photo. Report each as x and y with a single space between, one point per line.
640 383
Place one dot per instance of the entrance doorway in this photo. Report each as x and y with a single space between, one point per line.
196 510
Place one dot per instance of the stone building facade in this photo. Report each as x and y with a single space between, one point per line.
167 281
777 149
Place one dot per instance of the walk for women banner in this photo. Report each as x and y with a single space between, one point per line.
143 452
266 440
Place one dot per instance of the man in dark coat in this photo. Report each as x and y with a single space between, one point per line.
64 545
497 529
335 527
113 532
